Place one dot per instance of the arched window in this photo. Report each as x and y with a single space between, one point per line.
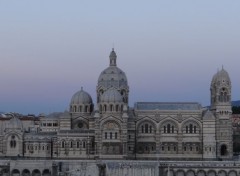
191 128
116 135
146 128
71 144
186 129
86 108
13 142
168 128
84 144
110 135
225 97
63 144
117 108
195 129
172 129
105 108
111 108
105 135
77 144
150 129
142 129
80 108
164 129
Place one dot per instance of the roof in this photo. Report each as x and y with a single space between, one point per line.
167 106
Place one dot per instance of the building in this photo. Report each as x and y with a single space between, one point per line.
111 129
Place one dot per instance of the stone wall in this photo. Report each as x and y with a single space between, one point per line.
118 168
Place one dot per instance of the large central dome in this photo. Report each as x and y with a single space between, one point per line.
113 77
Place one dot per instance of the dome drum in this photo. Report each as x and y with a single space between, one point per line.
114 107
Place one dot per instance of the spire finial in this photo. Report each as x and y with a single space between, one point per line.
113 58
81 88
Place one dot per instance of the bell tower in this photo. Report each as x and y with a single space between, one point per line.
222 109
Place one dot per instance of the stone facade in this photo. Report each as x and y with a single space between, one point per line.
113 130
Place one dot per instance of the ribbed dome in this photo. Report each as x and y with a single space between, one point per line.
112 77
111 96
221 77
81 97
14 123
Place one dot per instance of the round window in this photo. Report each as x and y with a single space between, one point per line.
80 125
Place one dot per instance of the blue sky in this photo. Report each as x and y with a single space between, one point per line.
168 49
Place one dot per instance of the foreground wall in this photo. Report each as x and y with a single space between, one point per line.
117 168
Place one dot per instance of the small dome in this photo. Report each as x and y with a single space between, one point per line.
81 97
111 96
14 123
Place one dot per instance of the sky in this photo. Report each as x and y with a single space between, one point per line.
169 49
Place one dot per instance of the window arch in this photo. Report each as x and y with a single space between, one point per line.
191 127
169 127
78 144
111 107
13 142
117 108
146 127
63 144
223 95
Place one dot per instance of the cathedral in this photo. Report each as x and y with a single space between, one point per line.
110 129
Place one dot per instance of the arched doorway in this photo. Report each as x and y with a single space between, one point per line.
223 150
46 172
26 172
15 172
36 172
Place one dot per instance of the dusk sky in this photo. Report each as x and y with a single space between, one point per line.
169 49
